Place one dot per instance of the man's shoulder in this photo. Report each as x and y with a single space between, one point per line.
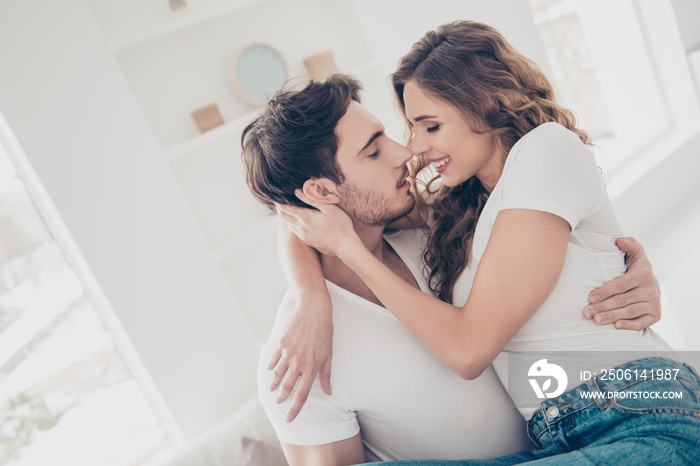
287 307
325 418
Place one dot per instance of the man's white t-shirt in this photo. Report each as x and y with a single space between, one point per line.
551 170
405 403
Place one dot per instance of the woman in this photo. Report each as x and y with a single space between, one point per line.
522 200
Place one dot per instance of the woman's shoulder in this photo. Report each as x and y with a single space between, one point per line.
550 150
548 138
550 132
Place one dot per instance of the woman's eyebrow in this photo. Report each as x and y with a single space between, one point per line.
424 117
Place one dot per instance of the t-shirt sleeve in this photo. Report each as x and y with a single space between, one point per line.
551 170
323 418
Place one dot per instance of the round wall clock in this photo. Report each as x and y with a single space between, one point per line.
257 72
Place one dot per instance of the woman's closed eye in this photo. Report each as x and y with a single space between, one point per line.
374 154
432 129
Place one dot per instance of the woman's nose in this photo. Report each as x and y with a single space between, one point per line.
419 145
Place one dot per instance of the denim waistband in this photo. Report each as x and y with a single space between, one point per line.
625 376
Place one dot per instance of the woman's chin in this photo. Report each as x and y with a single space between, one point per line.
448 181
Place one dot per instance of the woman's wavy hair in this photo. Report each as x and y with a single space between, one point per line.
499 92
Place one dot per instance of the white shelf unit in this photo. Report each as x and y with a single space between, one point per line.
176 73
227 130
175 22
368 70
213 181
177 62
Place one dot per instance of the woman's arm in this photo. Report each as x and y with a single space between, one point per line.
304 349
520 267
451 333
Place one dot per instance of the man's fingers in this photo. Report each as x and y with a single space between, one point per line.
629 312
630 246
324 376
632 300
617 301
300 397
634 253
636 324
617 286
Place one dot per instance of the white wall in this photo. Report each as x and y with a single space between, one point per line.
665 175
72 111
687 14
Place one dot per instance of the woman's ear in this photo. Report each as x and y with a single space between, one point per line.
321 190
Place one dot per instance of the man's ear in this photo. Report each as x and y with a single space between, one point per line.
321 190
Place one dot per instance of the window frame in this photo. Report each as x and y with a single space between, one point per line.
91 288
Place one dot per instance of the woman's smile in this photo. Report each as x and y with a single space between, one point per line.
440 165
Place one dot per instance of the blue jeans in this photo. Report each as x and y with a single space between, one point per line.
574 429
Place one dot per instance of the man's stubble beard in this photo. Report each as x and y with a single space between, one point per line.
371 208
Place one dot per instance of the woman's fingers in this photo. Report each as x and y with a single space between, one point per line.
300 397
324 375
290 379
276 356
286 217
278 373
290 210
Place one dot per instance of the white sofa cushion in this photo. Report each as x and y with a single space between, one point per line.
245 438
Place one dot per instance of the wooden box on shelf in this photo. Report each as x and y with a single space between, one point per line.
208 117
321 65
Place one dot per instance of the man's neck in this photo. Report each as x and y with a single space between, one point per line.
337 272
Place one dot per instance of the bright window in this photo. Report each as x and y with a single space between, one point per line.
618 65
66 395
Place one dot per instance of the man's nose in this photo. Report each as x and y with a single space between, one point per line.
401 155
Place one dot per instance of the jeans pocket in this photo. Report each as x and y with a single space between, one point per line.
680 396
693 387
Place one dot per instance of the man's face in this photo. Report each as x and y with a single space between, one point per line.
376 190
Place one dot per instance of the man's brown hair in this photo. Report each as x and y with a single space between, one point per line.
294 139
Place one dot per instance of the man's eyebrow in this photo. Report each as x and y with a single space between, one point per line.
371 140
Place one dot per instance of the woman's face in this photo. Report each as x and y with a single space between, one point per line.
445 139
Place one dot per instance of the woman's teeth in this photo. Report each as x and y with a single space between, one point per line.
441 162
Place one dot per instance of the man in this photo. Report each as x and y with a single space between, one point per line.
391 398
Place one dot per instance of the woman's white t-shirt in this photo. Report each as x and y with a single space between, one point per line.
551 170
